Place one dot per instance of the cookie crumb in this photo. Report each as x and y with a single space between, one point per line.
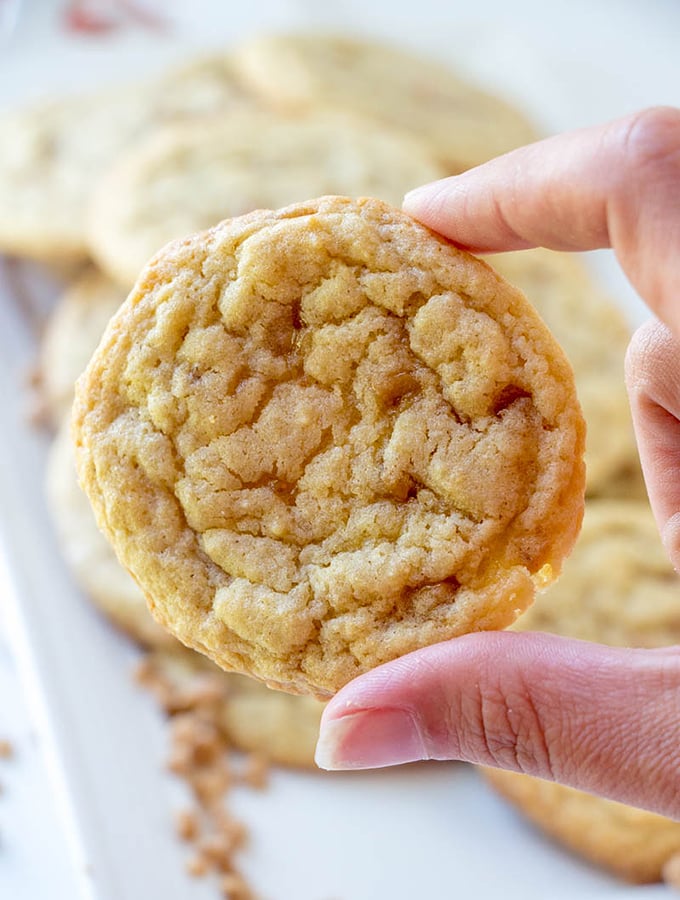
256 771
187 825
203 757
6 749
235 888
197 866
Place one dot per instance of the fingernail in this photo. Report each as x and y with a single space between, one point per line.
370 739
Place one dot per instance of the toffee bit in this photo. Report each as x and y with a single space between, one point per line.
256 771
187 825
234 887
197 866
6 749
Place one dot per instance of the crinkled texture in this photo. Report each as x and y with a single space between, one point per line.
323 437
594 334
462 124
189 177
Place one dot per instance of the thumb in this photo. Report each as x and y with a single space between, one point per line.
602 719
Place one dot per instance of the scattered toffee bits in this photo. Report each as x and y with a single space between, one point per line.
323 437
204 758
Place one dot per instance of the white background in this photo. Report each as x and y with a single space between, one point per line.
85 810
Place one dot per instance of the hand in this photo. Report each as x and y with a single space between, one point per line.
601 719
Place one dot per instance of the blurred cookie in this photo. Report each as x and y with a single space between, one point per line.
633 844
189 178
89 555
73 331
462 124
282 727
594 334
52 154
617 588
321 437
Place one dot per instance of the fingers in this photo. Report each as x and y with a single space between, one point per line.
615 185
603 719
653 381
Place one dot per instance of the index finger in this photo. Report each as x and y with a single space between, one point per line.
615 185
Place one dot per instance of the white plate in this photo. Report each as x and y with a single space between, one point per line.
432 830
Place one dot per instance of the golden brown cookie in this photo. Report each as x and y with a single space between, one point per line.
190 177
462 124
321 437
633 844
52 154
618 588
88 554
73 331
580 316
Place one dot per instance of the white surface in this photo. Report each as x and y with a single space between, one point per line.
102 829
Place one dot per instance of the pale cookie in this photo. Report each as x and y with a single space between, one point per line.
256 719
88 554
322 437
462 124
52 154
594 334
617 588
73 331
189 178
633 844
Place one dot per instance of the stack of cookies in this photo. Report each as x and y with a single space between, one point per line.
103 182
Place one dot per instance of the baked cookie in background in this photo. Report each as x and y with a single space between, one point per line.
189 178
322 437
463 125
52 154
73 330
633 844
617 588
253 717
89 555
594 335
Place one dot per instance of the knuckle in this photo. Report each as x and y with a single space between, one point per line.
651 356
651 138
508 731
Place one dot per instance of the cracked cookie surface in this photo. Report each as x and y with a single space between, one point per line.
321 437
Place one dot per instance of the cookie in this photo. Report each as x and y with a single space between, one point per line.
282 727
463 125
321 437
579 314
633 844
253 717
617 588
189 178
52 154
72 333
88 554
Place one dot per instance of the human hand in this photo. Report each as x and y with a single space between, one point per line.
598 718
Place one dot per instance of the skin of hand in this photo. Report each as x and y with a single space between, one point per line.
598 718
